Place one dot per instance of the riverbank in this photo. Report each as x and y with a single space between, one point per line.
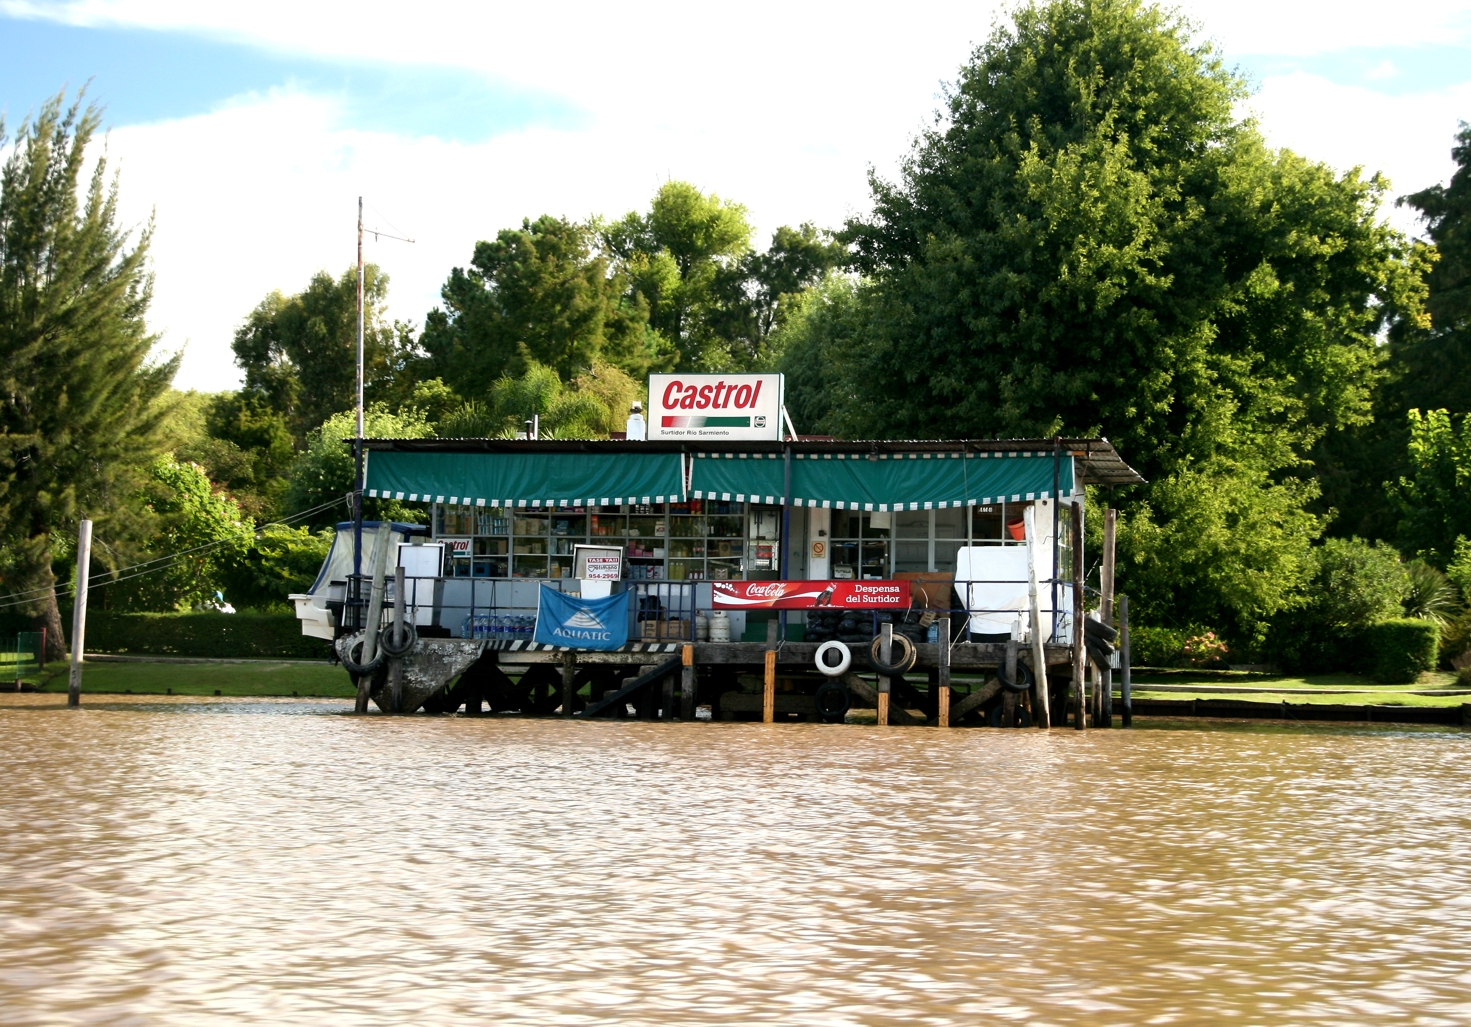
233 678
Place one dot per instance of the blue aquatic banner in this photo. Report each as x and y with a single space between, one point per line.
582 623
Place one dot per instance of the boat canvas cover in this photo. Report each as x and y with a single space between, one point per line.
887 481
525 479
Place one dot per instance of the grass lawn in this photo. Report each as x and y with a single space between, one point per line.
1388 697
1379 695
230 679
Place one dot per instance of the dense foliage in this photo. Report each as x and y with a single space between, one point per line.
1092 241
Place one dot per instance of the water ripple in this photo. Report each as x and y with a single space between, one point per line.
190 862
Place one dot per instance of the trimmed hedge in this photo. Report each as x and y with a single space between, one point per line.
225 635
1402 650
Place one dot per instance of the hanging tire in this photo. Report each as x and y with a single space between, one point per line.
902 665
356 669
1022 717
385 640
841 667
1026 679
832 700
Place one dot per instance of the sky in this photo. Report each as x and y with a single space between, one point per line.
248 131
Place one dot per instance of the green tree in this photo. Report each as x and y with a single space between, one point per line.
590 407
324 471
538 293
299 353
1432 497
198 527
1091 241
1433 368
683 259
82 412
278 561
818 346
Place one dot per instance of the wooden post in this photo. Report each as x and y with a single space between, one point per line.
666 697
1041 706
375 611
886 655
396 667
687 684
1080 689
79 613
944 682
768 697
1128 699
1106 588
569 681
1008 698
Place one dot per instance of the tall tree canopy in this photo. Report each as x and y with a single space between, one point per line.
1091 241
299 353
81 413
542 294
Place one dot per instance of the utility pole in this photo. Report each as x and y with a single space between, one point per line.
357 443
79 612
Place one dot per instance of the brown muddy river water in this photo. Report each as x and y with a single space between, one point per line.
190 862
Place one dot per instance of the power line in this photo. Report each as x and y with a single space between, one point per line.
164 562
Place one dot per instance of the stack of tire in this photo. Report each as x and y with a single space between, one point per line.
822 625
1100 640
855 627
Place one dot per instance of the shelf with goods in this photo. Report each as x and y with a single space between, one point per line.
691 541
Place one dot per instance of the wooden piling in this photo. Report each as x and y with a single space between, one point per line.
79 613
569 681
886 656
1042 705
768 697
687 684
1106 611
1124 661
375 612
1080 699
944 675
396 666
1008 698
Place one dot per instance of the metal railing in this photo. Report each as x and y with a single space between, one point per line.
506 609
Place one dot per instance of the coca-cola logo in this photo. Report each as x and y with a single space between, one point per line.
772 591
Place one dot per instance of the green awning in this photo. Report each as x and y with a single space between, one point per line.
525 479
893 481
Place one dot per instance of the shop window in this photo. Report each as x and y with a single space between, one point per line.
986 523
913 524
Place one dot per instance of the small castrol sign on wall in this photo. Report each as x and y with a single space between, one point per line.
716 406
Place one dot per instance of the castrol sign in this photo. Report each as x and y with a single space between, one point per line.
715 406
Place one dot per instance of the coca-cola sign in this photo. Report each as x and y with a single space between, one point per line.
811 595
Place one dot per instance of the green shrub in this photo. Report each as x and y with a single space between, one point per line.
1354 585
1455 641
1158 647
269 635
1402 649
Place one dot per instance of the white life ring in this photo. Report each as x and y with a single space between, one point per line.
843 664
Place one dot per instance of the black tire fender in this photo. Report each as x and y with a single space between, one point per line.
833 701
385 640
357 669
1026 679
902 665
